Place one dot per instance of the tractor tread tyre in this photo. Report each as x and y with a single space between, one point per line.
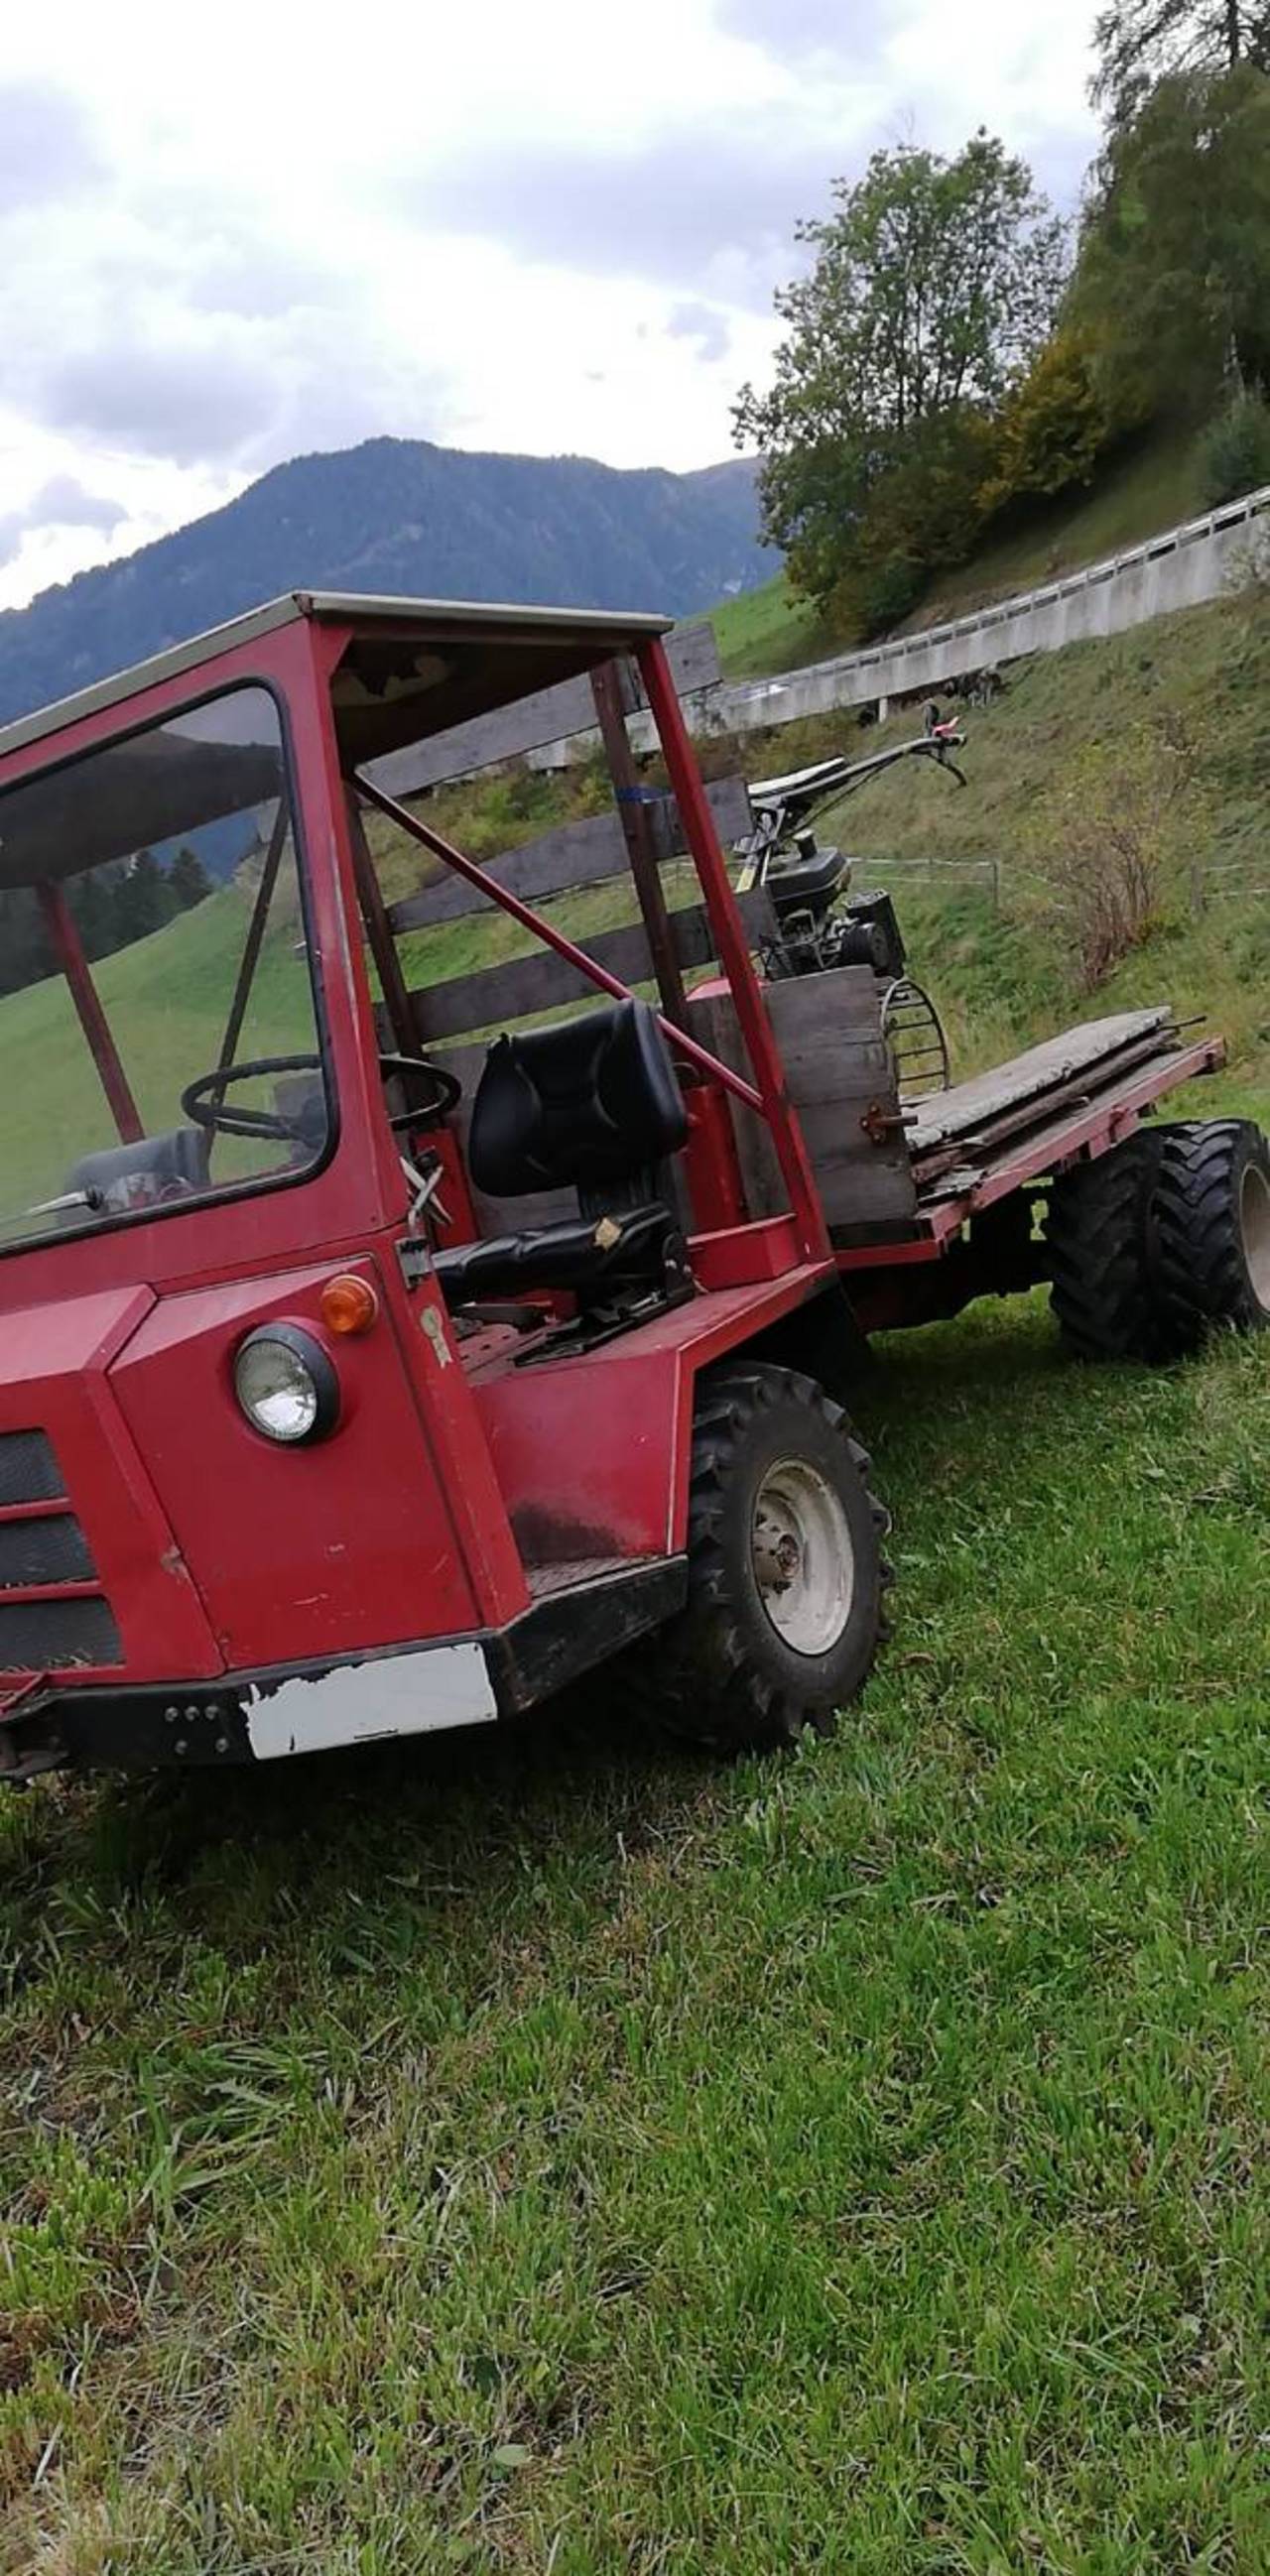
1097 1231
1212 1230
720 1674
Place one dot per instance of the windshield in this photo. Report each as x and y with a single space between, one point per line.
158 1027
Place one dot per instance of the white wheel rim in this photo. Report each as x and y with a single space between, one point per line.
1254 1227
803 1559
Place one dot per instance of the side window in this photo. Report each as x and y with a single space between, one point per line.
158 1026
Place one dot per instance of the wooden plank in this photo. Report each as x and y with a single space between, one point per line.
547 715
1090 1051
495 995
829 1031
574 854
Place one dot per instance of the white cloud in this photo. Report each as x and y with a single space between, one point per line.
60 503
554 229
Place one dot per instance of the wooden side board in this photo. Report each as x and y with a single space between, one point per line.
548 715
495 996
829 1031
574 854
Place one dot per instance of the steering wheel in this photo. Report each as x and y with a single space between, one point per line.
447 1091
203 1101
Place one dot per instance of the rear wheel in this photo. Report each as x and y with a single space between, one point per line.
1212 1230
1098 1232
786 1572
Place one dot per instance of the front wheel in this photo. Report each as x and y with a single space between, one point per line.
786 1571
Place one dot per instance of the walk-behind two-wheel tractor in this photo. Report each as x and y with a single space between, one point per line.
388 1340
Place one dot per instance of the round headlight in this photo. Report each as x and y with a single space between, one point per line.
286 1385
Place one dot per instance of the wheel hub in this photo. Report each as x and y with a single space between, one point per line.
802 1558
1254 1223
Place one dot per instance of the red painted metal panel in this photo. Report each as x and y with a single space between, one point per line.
54 1364
736 1256
301 1552
92 1019
713 1166
595 1449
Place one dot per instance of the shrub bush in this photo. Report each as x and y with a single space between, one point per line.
1234 455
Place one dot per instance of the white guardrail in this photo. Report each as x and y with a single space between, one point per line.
1179 569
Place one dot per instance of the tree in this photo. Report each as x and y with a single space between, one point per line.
1234 455
1054 425
1142 41
933 284
26 951
188 879
923 511
94 900
1173 276
143 900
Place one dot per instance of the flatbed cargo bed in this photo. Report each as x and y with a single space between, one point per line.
1033 1116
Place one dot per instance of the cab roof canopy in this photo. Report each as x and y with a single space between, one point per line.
412 667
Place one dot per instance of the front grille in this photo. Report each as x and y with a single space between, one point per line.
50 1549
47 1636
29 1472
38 1551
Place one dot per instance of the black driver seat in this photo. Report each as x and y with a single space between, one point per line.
594 1103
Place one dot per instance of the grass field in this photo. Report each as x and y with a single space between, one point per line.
559 2154
769 629
167 999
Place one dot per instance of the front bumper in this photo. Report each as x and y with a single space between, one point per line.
308 1708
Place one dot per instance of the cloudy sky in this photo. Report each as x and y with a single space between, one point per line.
235 234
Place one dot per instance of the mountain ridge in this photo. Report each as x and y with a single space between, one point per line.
399 516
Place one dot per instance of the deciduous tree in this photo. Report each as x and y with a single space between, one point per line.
932 285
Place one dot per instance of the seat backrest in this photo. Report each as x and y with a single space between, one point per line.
584 1101
172 1166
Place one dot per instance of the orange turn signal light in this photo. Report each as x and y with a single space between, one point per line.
349 1304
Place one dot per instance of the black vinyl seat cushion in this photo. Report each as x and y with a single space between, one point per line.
589 1257
157 1168
580 1104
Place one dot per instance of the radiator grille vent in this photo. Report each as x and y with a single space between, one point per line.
50 1549
29 1472
49 1636
41 1549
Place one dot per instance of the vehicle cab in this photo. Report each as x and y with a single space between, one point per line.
342 1392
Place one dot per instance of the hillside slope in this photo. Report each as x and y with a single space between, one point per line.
1148 488
541 2148
1093 730
399 515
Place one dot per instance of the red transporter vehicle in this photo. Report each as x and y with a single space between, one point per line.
355 1384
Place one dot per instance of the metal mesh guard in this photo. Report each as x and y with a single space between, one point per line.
47 1636
44 1551
29 1472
